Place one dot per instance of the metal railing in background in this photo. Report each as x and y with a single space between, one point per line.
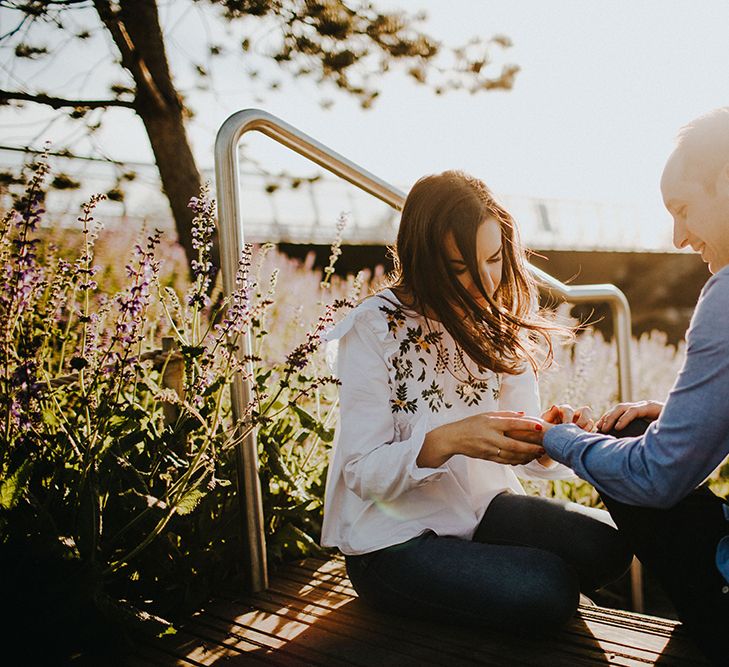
230 218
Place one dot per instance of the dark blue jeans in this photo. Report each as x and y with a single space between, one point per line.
522 572
678 546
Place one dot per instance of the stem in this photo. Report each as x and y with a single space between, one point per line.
66 333
312 448
181 336
142 545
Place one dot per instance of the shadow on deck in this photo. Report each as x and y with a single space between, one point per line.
310 615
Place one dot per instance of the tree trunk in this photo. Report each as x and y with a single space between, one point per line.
137 33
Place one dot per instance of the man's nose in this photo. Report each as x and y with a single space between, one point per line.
680 237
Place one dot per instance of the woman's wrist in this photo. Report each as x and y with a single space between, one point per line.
436 449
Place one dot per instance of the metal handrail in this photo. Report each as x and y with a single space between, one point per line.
231 244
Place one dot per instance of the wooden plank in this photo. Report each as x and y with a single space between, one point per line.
311 615
309 643
485 646
333 574
153 655
344 627
645 636
400 638
240 642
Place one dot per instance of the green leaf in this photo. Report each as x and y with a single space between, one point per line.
326 434
217 384
190 501
307 420
11 489
132 439
311 423
262 378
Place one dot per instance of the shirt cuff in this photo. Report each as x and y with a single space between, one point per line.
558 438
417 437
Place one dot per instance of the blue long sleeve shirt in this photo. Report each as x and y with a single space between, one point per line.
689 440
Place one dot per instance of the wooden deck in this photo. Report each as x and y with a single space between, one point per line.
310 615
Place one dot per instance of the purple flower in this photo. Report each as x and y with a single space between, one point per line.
133 302
203 230
25 392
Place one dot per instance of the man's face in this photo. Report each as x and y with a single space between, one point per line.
699 207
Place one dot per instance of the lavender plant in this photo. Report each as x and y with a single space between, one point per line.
116 501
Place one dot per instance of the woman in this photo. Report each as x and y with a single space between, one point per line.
422 496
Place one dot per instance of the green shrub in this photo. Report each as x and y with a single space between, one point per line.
118 506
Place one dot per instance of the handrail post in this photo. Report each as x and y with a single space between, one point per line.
230 229
231 245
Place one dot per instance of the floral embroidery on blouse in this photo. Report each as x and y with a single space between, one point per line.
433 395
417 349
403 368
395 317
472 393
401 402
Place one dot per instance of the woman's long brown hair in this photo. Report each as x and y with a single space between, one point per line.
504 334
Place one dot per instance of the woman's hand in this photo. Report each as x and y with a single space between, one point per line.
482 436
566 414
619 416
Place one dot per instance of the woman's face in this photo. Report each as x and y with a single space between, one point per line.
489 259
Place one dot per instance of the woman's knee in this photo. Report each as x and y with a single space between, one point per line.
605 557
550 597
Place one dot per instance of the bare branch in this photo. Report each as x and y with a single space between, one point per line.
59 102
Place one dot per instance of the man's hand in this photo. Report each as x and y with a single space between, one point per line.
619 416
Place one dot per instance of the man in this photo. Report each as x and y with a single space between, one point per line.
649 482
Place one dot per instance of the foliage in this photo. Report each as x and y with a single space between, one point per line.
349 46
116 498
346 47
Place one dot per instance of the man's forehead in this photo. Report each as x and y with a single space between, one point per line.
681 175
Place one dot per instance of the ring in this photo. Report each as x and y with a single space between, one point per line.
498 452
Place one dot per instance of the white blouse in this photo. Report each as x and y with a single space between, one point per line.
403 376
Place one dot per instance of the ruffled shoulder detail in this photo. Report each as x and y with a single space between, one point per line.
369 312
374 314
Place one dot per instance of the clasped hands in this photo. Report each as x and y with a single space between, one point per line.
503 437
512 438
614 420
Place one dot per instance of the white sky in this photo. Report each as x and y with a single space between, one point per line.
603 88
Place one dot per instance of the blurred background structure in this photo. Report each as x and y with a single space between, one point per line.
579 242
566 110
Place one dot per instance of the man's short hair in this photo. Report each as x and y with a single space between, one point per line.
704 145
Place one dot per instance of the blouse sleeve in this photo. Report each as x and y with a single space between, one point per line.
376 466
521 392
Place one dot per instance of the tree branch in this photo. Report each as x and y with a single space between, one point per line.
59 102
